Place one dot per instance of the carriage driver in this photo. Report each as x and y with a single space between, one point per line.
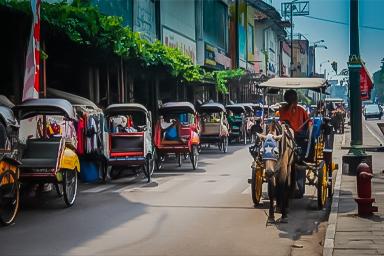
297 118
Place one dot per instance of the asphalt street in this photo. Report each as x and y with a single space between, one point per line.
208 211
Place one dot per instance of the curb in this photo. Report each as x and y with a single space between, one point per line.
329 241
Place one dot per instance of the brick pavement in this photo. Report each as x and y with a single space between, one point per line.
355 235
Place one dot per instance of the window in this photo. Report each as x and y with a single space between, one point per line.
215 18
251 39
122 8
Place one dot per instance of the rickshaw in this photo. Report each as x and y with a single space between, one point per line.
9 165
318 154
130 139
177 132
236 114
49 157
214 125
336 114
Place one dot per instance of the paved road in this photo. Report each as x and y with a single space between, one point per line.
182 212
371 126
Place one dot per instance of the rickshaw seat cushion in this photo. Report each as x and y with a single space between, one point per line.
211 128
41 153
38 163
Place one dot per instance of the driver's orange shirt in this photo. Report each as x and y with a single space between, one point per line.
295 115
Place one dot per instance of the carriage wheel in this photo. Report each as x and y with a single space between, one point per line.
9 197
256 185
69 186
149 166
225 144
194 156
322 185
179 160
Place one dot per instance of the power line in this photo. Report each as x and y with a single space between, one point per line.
342 23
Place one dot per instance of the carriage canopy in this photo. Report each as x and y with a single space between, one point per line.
316 84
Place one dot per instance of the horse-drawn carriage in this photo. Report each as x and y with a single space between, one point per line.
177 132
237 122
214 125
129 139
283 162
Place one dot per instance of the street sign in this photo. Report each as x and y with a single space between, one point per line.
298 8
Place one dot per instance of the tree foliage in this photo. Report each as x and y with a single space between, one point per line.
83 24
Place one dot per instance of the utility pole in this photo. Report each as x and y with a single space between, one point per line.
354 76
356 153
291 17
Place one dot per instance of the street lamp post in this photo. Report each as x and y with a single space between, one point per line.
356 153
317 45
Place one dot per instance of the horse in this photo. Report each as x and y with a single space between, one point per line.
278 161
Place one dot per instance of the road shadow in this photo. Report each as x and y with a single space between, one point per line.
303 218
46 227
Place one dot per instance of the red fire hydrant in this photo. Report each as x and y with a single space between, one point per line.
364 191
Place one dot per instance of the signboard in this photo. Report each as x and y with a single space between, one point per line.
298 8
184 44
366 84
144 19
216 58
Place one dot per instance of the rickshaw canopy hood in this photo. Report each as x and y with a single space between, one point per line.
316 84
236 108
72 98
35 107
124 107
212 107
177 107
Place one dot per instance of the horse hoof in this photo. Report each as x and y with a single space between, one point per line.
271 220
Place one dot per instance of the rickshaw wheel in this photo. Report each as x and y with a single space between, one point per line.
158 161
256 185
149 166
194 155
9 197
225 144
69 186
179 160
322 185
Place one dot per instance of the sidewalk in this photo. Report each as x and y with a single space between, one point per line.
348 234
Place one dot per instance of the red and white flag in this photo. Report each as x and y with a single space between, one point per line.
32 61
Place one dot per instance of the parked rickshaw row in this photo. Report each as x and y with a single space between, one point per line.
48 141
